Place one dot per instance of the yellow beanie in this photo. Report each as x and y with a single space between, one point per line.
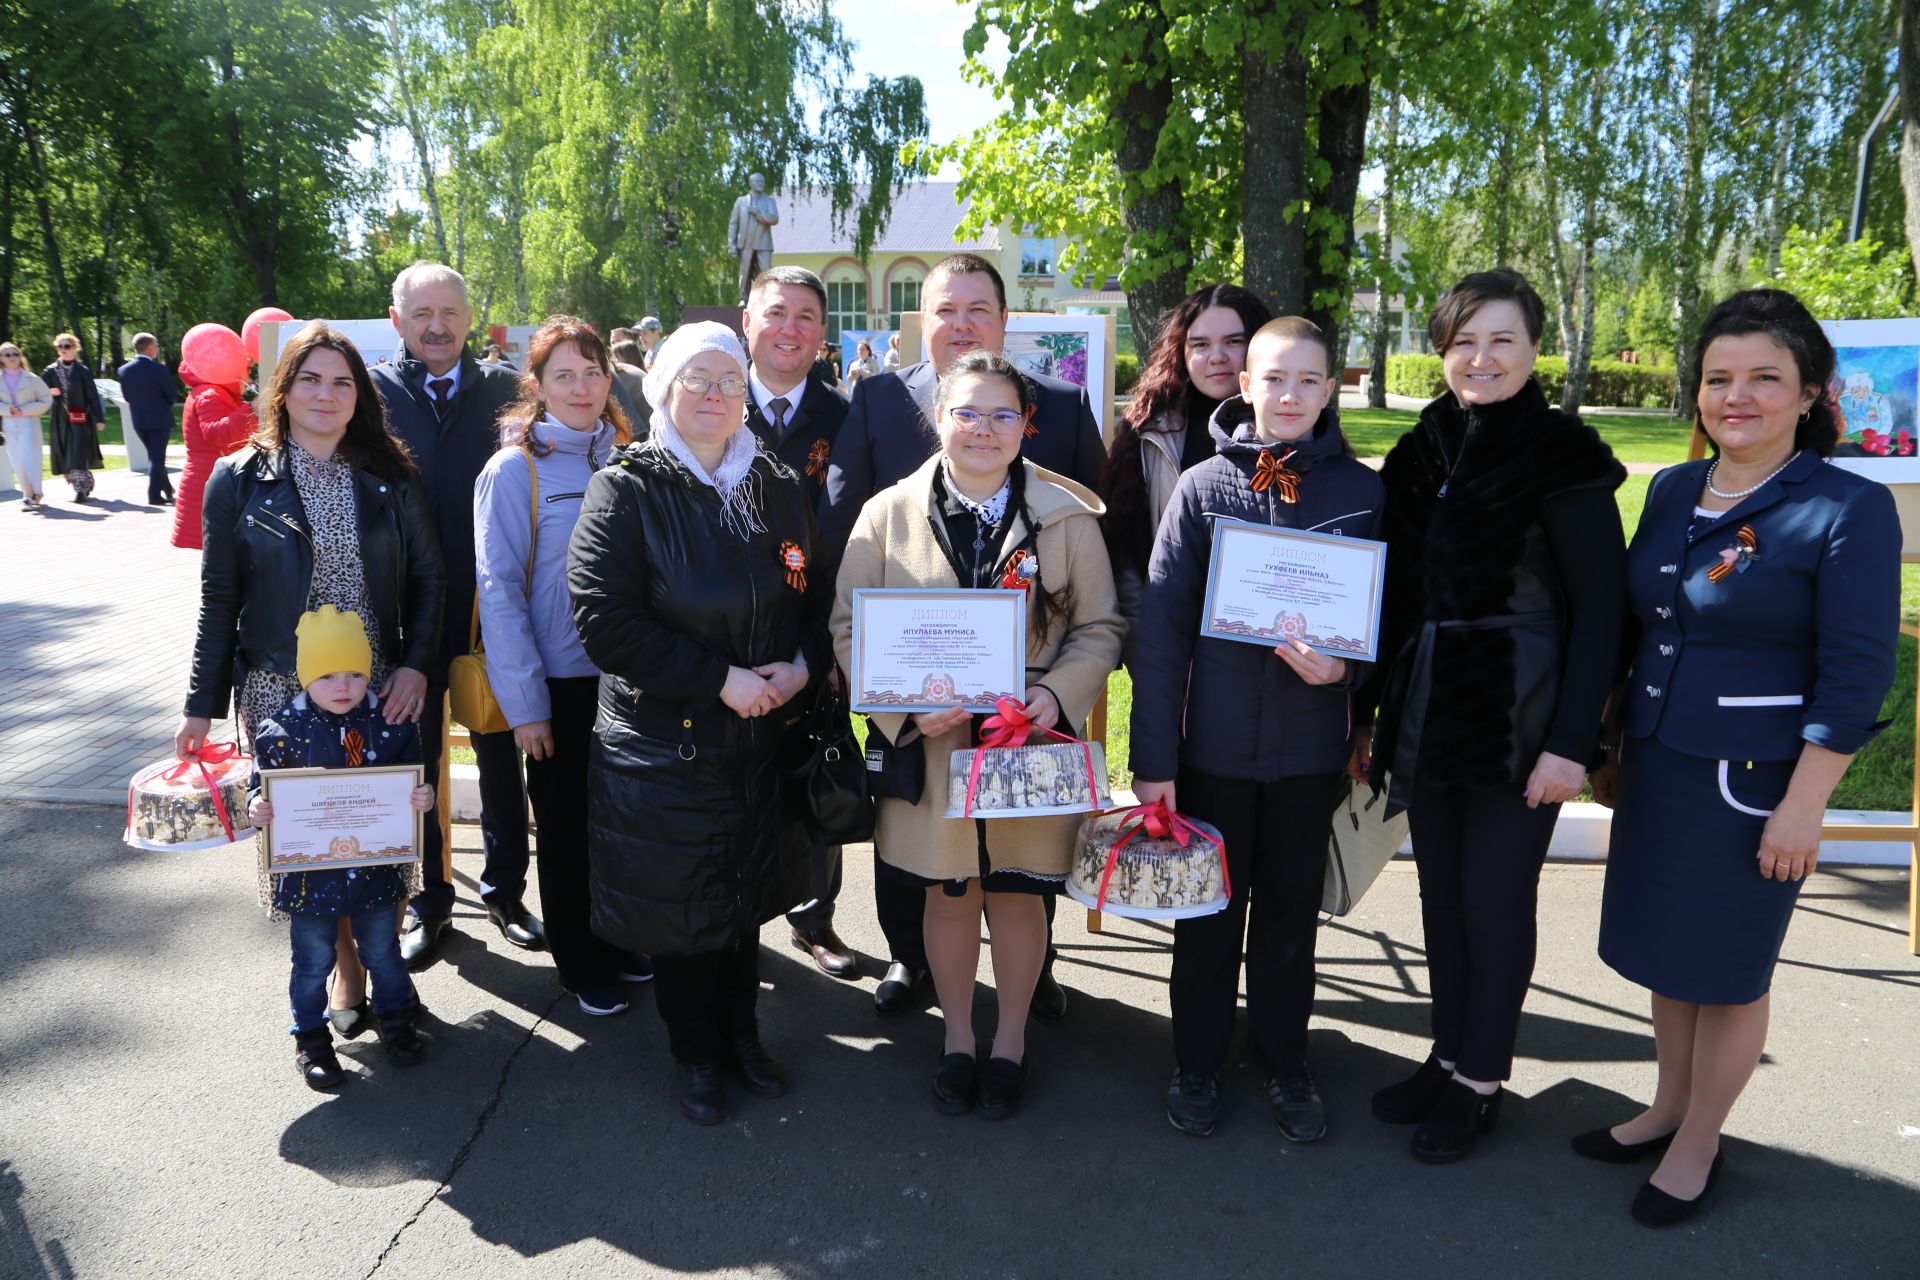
329 641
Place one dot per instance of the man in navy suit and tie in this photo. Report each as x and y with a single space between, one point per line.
797 413
150 393
889 433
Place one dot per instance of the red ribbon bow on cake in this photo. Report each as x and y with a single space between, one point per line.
1160 823
1009 726
209 753
1273 473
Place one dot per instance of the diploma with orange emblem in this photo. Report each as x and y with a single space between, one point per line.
1268 586
336 818
922 650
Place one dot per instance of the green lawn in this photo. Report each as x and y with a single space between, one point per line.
1634 437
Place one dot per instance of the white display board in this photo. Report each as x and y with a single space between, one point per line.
377 340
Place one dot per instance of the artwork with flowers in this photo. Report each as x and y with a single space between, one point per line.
1876 392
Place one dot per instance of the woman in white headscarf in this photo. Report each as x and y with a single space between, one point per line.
689 574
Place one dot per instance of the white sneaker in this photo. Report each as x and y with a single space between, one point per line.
601 1002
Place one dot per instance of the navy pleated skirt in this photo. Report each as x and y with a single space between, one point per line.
1687 913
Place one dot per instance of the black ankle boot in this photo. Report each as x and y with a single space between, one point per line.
703 1097
315 1060
1455 1123
402 1043
1409 1101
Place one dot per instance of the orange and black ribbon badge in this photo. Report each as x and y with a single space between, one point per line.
1737 558
817 459
795 562
1030 432
356 747
1021 569
1273 473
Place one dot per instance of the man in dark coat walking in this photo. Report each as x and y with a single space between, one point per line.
444 404
797 412
150 392
889 434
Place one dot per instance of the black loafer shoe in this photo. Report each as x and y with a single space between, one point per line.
403 1044
518 925
1193 1102
1409 1101
1455 1123
956 1083
353 1021
420 944
762 1071
1601 1145
1653 1207
1297 1107
1002 1085
1049 998
901 990
703 1098
315 1060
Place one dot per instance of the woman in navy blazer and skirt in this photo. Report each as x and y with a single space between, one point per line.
1766 585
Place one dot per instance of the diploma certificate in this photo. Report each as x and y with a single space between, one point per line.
917 650
1267 586
327 819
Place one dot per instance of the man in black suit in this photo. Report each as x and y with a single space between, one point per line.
889 434
444 404
149 390
797 412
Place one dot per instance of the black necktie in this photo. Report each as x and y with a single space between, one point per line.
778 407
441 388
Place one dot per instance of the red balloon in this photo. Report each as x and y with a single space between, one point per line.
215 353
250 331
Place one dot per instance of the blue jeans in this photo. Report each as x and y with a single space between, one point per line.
313 957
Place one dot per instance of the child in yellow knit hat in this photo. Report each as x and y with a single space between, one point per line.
334 723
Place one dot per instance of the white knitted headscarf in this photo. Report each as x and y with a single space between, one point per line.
733 479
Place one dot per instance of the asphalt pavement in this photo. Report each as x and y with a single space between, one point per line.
151 1123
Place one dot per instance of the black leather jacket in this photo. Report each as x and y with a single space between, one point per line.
257 570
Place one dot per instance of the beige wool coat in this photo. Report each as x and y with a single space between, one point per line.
893 545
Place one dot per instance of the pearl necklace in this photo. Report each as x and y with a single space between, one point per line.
1715 465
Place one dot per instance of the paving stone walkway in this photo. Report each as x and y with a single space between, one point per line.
97 615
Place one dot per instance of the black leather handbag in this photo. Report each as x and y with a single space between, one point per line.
828 781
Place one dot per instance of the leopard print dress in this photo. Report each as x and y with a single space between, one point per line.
339 579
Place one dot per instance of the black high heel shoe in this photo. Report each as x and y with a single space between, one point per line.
1456 1123
1600 1144
1653 1207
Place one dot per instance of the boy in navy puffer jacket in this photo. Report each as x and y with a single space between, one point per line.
333 724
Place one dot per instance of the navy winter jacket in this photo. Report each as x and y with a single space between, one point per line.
303 736
1223 707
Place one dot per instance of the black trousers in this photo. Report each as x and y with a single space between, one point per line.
558 788
901 904
1276 840
503 813
823 886
707 1000
1479 851
158 484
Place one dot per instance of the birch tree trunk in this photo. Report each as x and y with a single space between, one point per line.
1383 274
1702 36
422 149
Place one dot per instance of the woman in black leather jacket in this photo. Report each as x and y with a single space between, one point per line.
324 508
689 575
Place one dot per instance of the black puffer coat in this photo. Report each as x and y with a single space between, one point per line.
257 571
690 842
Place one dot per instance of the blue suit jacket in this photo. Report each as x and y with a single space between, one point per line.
149 392
889 434
1797 646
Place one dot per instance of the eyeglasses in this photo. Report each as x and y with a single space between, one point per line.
699 383
1003 421
65 346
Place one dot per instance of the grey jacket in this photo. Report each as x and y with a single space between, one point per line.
531 636
1223 707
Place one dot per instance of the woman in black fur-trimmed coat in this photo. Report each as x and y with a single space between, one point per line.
1505 590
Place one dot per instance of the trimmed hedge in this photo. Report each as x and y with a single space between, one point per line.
1126 372
1609 382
